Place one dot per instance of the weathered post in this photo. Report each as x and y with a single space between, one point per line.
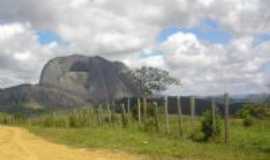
180 118
98 115
156 116
167 115
123 115
144 109
109 113
101 108
128 108
139 109
213 107
226 117
192 112
128 105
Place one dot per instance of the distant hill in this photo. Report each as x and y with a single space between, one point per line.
202 105
37 97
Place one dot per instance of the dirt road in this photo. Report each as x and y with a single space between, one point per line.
19 144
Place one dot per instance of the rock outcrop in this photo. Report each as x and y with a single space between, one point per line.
73 81
93 78
37 97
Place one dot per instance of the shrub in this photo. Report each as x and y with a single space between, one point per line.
248 121
207 127
259 111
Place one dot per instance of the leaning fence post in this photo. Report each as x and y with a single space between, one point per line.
167 115
139 110
226 118
180 118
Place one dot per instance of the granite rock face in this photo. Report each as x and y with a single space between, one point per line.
92 78
70 82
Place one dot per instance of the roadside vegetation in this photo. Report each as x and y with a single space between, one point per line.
99 127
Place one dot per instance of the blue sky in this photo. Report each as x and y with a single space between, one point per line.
46 37
208 30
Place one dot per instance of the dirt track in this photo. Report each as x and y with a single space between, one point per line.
19 144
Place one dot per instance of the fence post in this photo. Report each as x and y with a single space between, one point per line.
144 109
213 107
109 113
180 118
156 116
98 112
124 118
192 112
128 105
226 117
167 115
139 109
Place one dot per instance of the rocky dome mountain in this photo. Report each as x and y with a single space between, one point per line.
73 81
93 78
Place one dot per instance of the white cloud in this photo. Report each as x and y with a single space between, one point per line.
21 55
212 69
125 30
7 31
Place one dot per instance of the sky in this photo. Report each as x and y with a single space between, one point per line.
212 46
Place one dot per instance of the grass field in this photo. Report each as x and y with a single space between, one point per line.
251 143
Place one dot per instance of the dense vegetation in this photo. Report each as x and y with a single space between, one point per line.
101 127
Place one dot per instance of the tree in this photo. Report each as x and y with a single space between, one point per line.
152 80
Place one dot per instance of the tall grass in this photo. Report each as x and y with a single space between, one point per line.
113 129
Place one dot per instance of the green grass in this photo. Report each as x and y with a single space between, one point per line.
245 143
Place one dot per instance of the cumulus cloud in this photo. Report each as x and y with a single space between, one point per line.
21 55
209 68
127 30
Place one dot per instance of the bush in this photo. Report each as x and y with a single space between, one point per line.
259 111
248 121
207 127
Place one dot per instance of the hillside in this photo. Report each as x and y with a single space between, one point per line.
25 98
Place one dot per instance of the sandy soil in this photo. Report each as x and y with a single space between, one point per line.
19 144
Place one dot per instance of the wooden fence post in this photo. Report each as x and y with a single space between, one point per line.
180 118
192 112
128 105
98 112
124 118
128 109
139 109
156 116
167 115
109 113
226 117
213 107
144 109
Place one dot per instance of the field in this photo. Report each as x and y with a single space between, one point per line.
245 143
101 129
